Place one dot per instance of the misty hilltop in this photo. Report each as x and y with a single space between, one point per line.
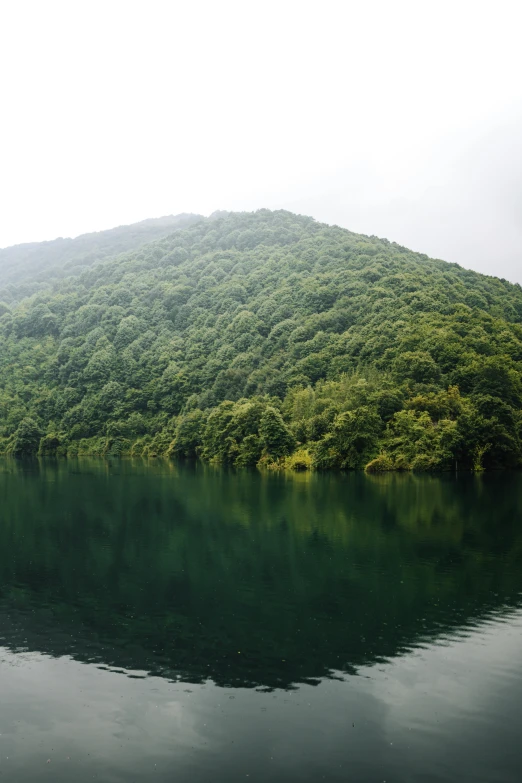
35 262
259 338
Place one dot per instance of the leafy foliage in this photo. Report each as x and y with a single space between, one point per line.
254 336
26 268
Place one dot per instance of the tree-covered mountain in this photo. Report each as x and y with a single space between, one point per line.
25 269
268 338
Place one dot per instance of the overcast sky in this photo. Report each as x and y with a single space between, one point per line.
401 119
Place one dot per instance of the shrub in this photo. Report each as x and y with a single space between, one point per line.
300 460
380 464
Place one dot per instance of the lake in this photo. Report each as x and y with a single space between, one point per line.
166 622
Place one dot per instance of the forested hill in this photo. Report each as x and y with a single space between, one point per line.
27 268
267 338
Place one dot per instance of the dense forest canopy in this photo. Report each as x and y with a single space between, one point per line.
25 269
265 338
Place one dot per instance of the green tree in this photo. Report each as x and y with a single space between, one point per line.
275 436
351 442
27 438
189 431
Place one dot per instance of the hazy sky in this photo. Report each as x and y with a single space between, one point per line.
401 119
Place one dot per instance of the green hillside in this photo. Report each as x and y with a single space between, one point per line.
267 338
25 269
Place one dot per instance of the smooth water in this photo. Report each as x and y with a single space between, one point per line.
173 623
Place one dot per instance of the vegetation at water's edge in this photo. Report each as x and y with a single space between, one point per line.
266 339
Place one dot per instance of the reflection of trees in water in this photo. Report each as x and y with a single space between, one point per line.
246 578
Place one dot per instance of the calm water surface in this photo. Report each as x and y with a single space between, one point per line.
169 623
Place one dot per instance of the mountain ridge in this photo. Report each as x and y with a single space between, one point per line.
48 256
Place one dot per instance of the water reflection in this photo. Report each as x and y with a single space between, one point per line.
439 713
163 622
245 579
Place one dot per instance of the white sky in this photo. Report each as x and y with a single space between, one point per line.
401 119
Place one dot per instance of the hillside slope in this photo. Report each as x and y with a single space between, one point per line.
268 337
27 268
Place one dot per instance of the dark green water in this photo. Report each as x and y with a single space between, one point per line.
170 623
